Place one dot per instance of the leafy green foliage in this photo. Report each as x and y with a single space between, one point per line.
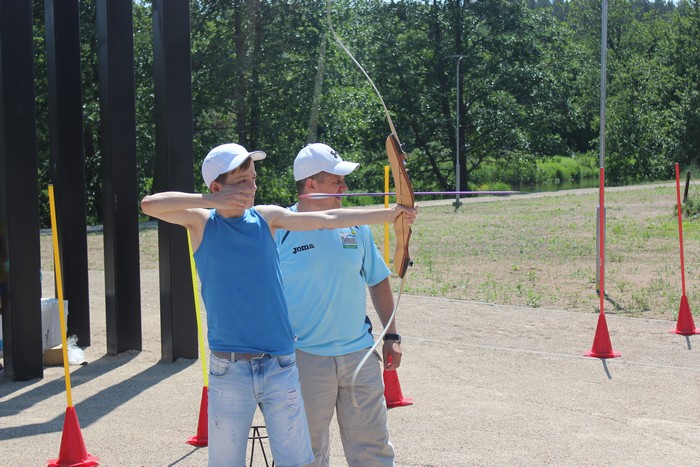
691 208
522 170
270 76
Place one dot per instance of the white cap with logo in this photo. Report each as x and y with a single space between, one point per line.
319 157
225 158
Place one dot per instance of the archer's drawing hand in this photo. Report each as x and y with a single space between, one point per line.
239 196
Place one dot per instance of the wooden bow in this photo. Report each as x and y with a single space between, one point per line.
404 197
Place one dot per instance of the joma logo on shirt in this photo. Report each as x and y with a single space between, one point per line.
297 249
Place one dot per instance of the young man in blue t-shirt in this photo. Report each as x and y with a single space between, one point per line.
252 361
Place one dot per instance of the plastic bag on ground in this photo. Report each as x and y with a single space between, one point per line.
76 356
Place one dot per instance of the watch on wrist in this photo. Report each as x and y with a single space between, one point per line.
392 337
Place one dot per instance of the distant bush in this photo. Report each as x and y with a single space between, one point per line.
493 186
522 170
691 208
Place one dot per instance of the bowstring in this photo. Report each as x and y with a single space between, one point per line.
380 338
352 57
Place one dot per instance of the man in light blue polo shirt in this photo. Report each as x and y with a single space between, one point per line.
326 274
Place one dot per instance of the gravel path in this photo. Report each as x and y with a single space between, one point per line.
492 385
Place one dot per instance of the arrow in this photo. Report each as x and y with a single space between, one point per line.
419 193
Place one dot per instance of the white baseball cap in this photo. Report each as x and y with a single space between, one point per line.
319 157
224 159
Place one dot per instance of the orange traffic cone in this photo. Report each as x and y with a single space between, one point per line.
202 436
602 347
73 452
685 325
392 391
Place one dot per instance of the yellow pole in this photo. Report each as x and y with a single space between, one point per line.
200 334
386 224
59 291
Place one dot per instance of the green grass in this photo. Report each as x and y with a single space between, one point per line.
534 252
541 252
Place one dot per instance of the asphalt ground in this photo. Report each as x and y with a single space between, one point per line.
492 385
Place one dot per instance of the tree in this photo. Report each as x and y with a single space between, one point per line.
267 75
644 127
253 66
686 50
507 94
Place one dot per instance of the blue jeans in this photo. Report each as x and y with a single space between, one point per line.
236 389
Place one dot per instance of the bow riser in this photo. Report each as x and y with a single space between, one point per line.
404 197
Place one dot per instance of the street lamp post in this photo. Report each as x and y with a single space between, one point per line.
457 166
600 229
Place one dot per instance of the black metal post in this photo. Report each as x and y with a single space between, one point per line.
118 144
67 158
19 204
174 161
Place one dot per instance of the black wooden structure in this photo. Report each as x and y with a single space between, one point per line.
19 204
67 156
20 287
174 161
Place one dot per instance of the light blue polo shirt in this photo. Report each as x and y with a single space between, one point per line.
325 275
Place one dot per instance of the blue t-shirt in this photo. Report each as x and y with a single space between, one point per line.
325 276
242 289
